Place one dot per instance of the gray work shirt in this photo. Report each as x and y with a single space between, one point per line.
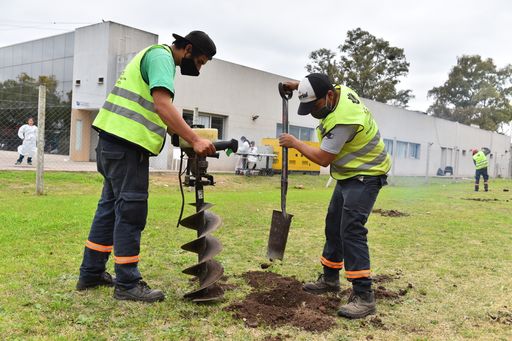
336 138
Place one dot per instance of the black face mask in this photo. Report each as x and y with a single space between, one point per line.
322 112
188 67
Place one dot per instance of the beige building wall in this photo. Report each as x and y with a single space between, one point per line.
80 136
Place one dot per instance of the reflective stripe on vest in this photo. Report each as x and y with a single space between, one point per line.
480 160
133 115
365 153
361 152
129 112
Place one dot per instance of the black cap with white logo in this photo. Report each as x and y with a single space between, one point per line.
311 88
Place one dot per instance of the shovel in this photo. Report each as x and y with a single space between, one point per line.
280 219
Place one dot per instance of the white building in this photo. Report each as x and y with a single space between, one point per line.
237 100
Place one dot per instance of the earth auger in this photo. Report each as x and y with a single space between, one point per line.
208 271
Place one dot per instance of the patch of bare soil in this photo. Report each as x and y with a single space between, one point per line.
277 300
383 278
375 322
390 213
481 199
503 316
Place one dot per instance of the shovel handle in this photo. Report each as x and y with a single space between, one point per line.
285 95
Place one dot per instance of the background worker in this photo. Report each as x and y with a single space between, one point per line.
352 146
252 158
28 133
132 126
481 164
243 150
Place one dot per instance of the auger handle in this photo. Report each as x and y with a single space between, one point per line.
223 145
285 94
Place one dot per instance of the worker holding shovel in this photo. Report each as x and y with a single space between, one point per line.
351 144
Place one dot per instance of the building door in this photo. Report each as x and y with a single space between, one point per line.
446 157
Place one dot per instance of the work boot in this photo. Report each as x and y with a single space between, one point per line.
486 187
105 279
141 292
476 188
322 285
359 305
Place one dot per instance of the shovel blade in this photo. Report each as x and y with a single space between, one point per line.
278 234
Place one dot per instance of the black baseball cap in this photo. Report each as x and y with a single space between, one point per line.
200 41
311 88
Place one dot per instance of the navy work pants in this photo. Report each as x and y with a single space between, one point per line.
121 213
346 243
481 172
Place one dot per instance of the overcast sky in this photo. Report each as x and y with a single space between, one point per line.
277 36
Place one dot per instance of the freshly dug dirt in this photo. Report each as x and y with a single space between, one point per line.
390 213
277 300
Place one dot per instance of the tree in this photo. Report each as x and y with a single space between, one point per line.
368 65
324 61
476 92
26 89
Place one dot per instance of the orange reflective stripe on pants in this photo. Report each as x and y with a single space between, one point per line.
357 274
329 264
98 247
126 260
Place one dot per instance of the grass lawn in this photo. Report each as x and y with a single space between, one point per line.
455 251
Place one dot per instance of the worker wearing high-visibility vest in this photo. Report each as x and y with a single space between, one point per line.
481 164
351 144
132 126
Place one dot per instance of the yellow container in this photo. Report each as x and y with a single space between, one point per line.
296 161
206 133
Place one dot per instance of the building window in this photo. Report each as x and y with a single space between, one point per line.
207 120
302 133
188 116
401 149
389 146
414 150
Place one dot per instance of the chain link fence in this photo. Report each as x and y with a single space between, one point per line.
18 104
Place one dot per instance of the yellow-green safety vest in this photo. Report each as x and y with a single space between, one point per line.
365 153
129 111
480 160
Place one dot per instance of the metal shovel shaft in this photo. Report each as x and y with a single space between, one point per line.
284 170
281 220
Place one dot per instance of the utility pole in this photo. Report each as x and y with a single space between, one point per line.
41 115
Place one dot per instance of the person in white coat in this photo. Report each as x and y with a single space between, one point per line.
28 133
252 158
243 150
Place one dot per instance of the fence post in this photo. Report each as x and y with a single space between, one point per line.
41 113
393 164
427 168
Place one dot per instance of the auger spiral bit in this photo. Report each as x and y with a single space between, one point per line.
207 270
